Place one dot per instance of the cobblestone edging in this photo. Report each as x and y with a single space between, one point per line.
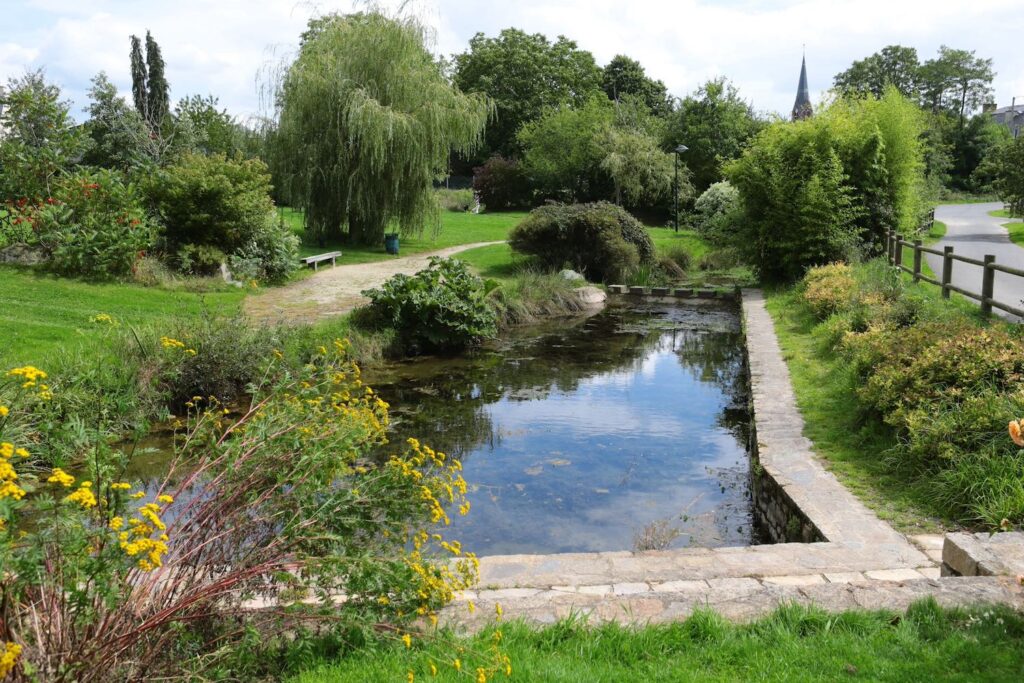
861 561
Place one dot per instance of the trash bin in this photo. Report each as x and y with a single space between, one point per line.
391 243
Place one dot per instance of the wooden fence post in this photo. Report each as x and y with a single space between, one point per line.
947 270
988 281
917 260
888 245
898 249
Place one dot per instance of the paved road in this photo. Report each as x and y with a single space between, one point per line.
973 233
336 290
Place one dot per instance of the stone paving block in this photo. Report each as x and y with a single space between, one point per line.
680 587
928 541
894 575
844 577
564 589
601 589
795 580
930 572
630 588
735 586
507 593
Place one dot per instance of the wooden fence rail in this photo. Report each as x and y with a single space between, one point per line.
894 251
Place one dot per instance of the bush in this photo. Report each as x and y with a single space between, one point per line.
93 225
440 308
601 240
455 200
716 211
199 259
828 289
818 190
270 255
502 184
1008 167
211 200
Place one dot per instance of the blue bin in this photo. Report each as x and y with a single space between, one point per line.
391 243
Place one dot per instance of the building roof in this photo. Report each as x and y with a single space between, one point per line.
802 108
1016 109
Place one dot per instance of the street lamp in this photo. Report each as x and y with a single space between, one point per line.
678 150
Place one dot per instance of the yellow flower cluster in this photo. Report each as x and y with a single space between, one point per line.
4 411
171 343
30 379
83 495
59 476
8 476
9 654
103 319
137 542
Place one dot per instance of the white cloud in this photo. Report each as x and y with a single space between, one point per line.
220 47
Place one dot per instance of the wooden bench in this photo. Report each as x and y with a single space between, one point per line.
316 260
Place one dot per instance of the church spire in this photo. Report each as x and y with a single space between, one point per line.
802 109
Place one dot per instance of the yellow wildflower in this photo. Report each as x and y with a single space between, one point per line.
498 610
165 499
83 496
9 654
6 449
410 676
59 476
120 486
457 664
117 523
8 489
21 452
481 675
471 607
137 495
4 410
407 639
433 669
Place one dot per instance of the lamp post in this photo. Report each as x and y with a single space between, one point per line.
675 204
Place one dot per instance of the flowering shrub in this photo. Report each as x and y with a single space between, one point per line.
93 224
270 521
828 288
440 308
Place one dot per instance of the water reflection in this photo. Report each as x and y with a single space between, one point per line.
575 437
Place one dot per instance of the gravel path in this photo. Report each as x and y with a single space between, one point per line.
334 291
973 233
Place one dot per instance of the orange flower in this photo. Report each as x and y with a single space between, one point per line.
1015 433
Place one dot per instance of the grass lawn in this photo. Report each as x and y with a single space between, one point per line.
456 228
794 644
45 314
1015 228
936 233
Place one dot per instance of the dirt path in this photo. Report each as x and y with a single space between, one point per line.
334 291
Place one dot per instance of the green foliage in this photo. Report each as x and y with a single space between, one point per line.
524 75
93 225
199 259
158 96
814 191
116 130
715 124
366 121
601 240
211 200
440 308
455 200
138 69
957 81
502 184
270 254
716 212
893 65
40 139
944 384
213 130
625 76
563 150
640 171
1008 167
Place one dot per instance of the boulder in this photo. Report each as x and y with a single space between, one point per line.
22 255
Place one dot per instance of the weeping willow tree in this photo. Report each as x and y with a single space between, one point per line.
365 122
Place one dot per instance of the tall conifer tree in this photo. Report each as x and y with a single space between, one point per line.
158 96
139 79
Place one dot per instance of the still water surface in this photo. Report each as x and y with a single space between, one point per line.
576 436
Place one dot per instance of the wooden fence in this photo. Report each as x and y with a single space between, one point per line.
895 244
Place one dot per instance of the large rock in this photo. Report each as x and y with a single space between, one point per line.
591 295
22 255
571 275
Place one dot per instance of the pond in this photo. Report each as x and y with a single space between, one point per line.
579 436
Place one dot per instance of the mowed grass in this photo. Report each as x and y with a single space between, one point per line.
456 228
45 314
794 644
1015 228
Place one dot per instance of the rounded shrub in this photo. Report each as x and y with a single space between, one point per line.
600 239
715 210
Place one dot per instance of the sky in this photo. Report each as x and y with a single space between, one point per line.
226 47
